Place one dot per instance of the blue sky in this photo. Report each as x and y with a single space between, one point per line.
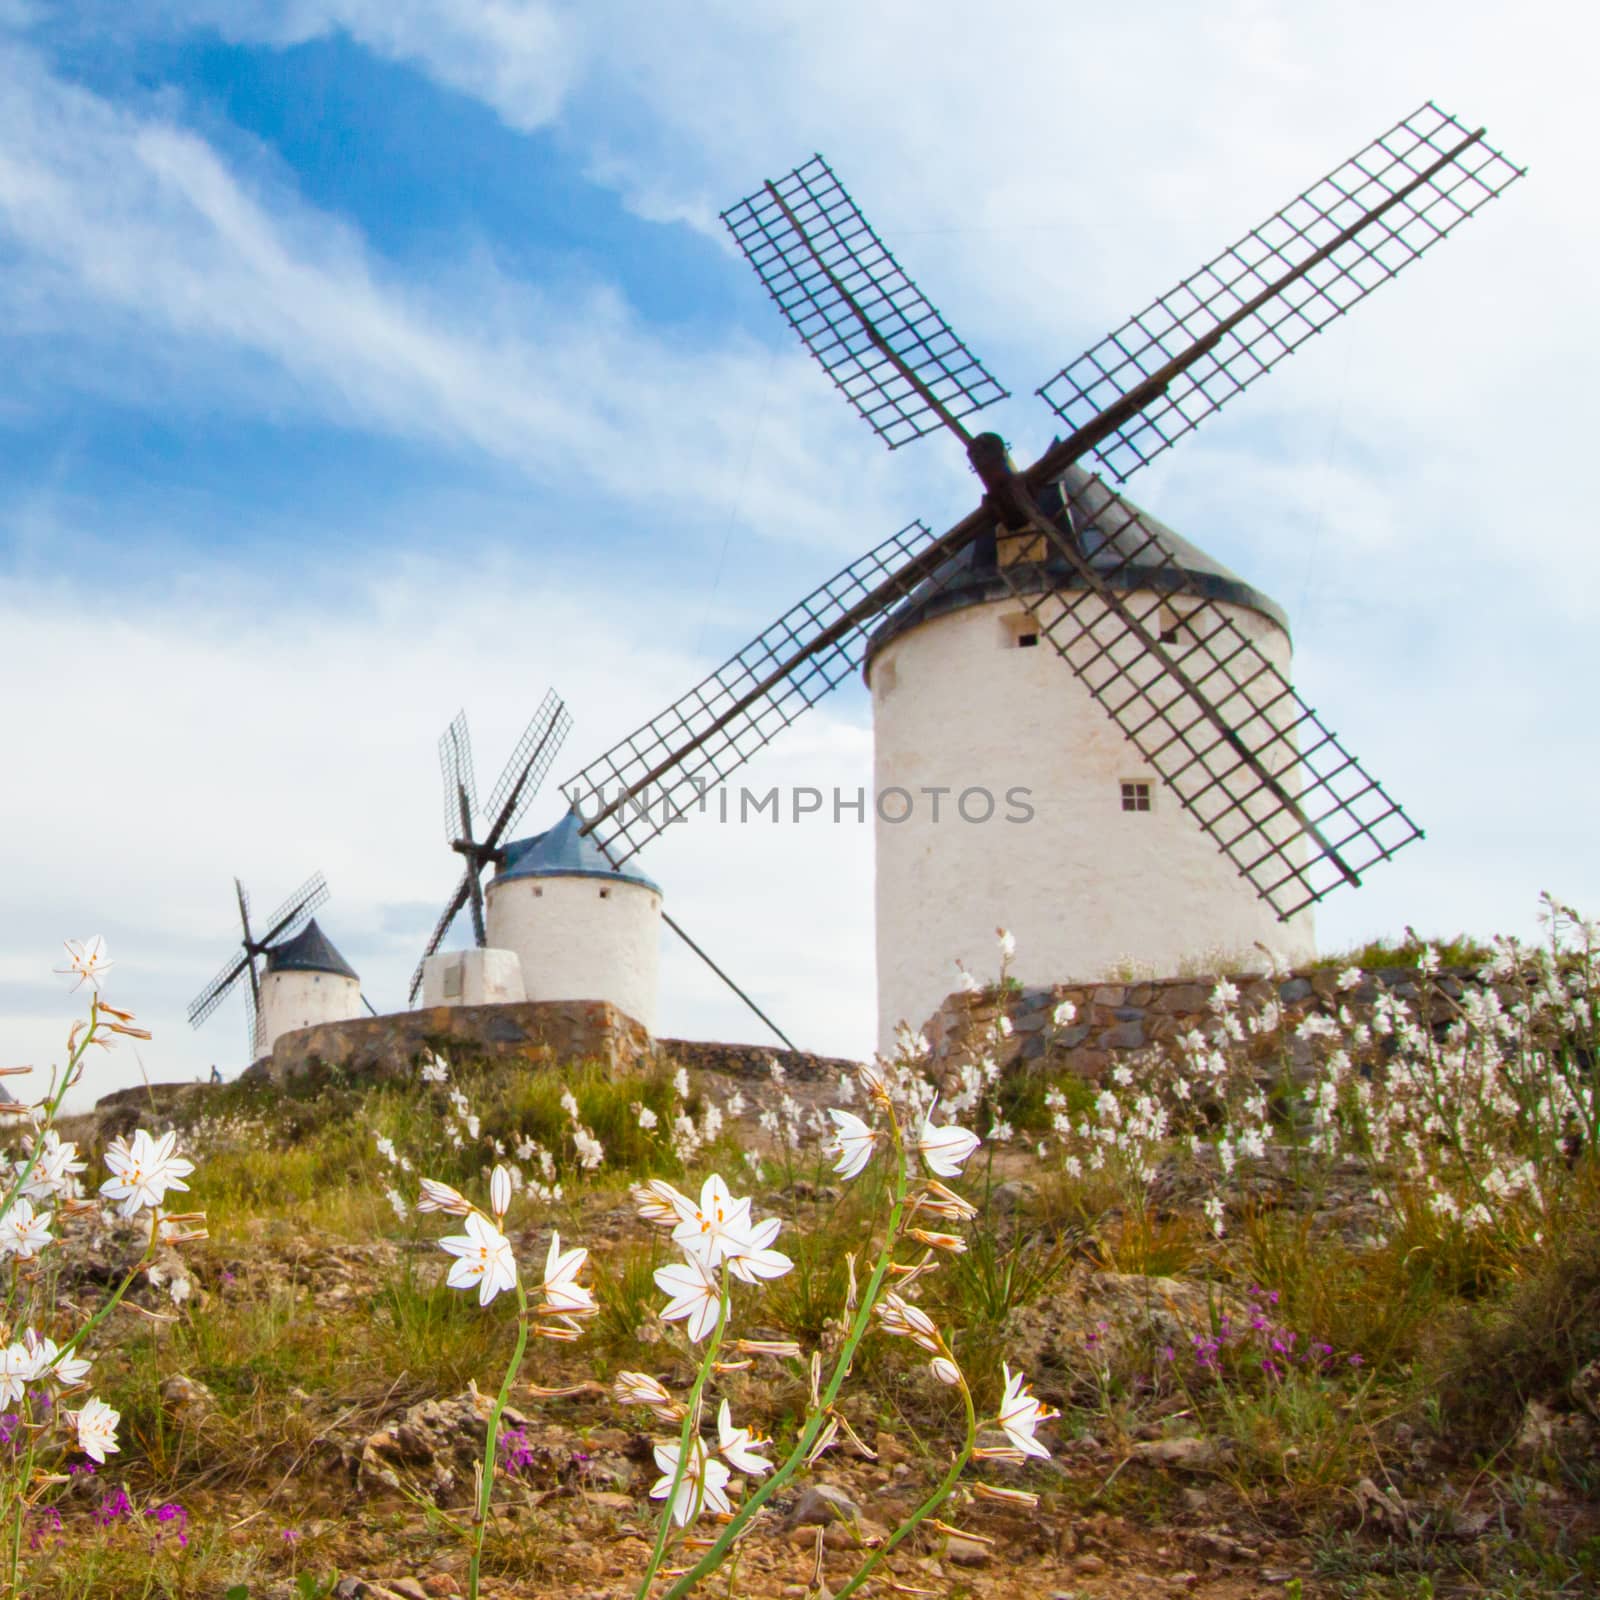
364 359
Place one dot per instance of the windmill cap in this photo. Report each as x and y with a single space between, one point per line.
1102 525
310 950
565 851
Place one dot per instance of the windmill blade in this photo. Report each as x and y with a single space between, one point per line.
528 767
311 896
653 776
441 928
1205 703
455 767
677 929
1191 351
870 327
216 991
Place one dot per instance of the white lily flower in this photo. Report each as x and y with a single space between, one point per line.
562 1291
1008 945
703 1485
905 1321
640 1389
717 1222
96 1423
750 1256
853 1143
17 1366
24 1234
143 1170
499 1192
54 1170
738 1447
696 1296
48 1361
87 958
945 1370
438 1196
945 1150
1020 1413
483 1257
658 1202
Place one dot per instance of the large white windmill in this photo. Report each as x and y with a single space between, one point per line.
1184 797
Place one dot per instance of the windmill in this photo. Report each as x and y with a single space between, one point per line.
1186 681
558 856
280 926
513 793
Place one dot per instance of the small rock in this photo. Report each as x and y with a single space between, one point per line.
966 1552
410 1588
189 1399
822 1503
1188 1454
441 1583
1089 1564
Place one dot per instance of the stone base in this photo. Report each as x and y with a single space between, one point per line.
472 978
535 1032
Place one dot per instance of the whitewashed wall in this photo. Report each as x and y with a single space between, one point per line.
1084 886
291 1000
582 939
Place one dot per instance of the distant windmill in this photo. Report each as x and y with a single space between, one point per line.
1189 664
556 942
279 927
524 772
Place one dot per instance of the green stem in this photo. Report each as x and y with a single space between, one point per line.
686 1437
709 1562
121 1289
492 1439
52 1106
926 1509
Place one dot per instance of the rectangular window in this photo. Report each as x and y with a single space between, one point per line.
1135 795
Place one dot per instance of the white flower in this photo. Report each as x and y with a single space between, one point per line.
435 1069
738 1447
966 982
646 1118
499 1192
696 1296
55 1168
1002 1132
640 1389
750 1256
483 1257
562 1291
97 1429
22 1233
658 1202
945 1150
945 1370
853 1143
438 1196
703 1485
48 1360
18 1367
905 1321
569 1103
87 958
1006 1028
680 1084
1008 945
718 1221
1020 1413
144 1170
1064 1013
590 1151
397 1203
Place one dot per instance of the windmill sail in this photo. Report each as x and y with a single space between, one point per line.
1226 325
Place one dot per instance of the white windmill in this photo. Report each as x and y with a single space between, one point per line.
1184 796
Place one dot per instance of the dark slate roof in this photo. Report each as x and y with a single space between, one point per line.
310 950
1101 526
565 852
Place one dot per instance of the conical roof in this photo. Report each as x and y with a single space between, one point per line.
310 950
1101 524
565 851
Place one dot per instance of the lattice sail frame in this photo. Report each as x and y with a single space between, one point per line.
1201 696
1430 171
673 760
287 920
807 240
459 775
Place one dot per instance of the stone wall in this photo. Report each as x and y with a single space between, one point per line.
1115 1020
752 1062
537 1032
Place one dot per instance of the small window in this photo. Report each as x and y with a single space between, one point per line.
1135 795
605 894
1026 641
1020 631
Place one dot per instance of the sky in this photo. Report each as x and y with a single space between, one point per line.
364 360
